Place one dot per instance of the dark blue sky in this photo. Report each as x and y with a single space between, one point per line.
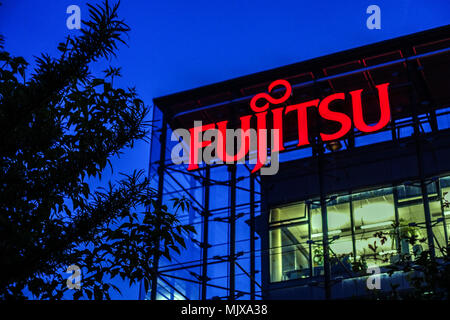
178 45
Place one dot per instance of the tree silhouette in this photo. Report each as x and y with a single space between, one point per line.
58 129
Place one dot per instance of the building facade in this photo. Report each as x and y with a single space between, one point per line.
335 202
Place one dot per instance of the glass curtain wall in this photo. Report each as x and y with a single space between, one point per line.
202 270
372 228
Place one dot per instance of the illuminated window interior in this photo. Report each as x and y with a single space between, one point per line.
372 227
374 212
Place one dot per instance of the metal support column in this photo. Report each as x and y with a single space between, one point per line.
419 151
352 225
441 196
252 237
397 223
205 242
162 156
323 207
232 226
319 146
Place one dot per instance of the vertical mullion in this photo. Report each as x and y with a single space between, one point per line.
419 154
352 224
323 207
397 222
309 242
205 242
439 190
232 226
162 161
252 237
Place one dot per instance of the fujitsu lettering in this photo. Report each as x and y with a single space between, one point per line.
265 102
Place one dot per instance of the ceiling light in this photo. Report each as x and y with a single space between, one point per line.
331 233
374 225
334 145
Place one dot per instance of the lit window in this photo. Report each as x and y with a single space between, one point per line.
340 236
412 233
373 228
289 250
374 216
440 213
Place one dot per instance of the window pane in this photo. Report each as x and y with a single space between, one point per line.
443 233
438 229
340 236
317 238
445 185
289 253
411 218
291 213
374 215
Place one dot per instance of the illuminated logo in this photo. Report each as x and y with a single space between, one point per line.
212 142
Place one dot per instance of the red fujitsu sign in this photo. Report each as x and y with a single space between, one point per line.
263 103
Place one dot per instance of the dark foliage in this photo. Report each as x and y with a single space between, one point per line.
58 129
428 276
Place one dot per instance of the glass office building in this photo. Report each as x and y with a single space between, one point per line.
359 199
